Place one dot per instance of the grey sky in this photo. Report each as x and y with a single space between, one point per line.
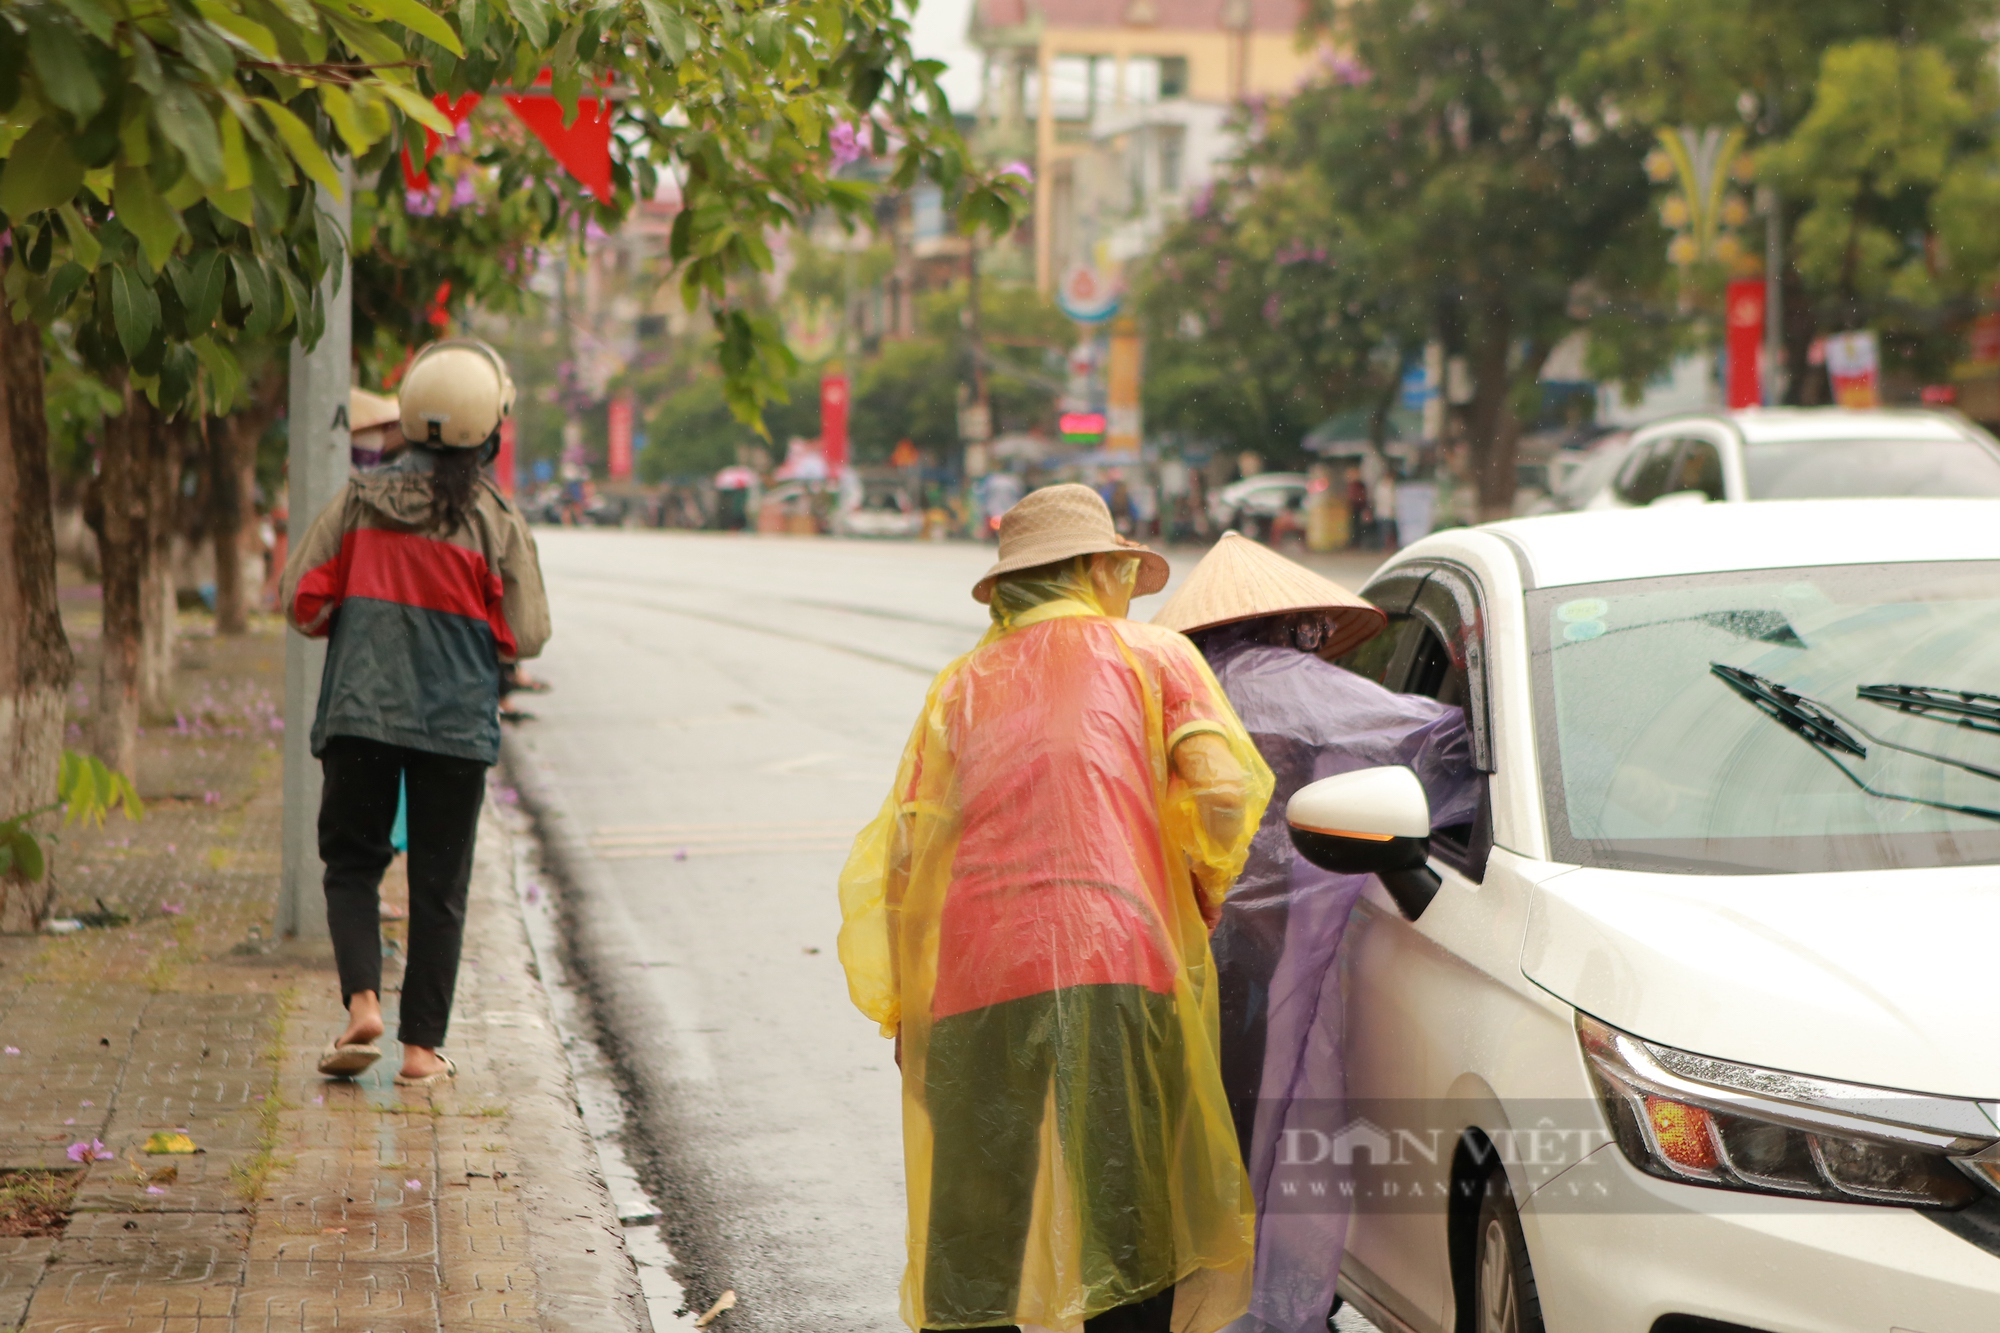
938 33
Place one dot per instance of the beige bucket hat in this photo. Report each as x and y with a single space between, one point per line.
1241 580
1058 522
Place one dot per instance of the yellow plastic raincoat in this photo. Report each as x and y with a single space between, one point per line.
1028 914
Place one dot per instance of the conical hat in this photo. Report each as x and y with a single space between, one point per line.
1241 580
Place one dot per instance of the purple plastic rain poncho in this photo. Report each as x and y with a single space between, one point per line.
1282 1013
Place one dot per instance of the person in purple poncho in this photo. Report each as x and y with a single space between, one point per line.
1269 629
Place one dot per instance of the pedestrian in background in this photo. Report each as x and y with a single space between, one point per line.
1270 629
425 582
1385 509
1028 916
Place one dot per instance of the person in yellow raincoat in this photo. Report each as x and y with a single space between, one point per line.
1028 916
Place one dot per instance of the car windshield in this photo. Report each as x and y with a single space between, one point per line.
1846 469
1837 718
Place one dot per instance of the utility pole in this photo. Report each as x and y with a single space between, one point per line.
317 461
1774 298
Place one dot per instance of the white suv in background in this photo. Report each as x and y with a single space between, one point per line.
1809 453
1695 1028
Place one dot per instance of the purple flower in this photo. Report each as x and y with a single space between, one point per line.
155 1189
846 144
413 1184
1348 72
13 1050
417 203
211 798
534 893
462 193
166 909
93 1151
1271 308
1021 169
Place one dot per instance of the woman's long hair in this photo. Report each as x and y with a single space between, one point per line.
454 487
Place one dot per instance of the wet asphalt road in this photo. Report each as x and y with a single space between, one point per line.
727 711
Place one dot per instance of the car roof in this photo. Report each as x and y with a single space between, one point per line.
1607 545
1776 425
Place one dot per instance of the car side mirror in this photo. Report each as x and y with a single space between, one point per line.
1374 821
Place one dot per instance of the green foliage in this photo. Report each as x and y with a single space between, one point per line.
178 146
1880 139
1267 312
160 165
87 791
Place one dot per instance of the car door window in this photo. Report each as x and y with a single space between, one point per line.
1448 664
1387 656
1646 474
1698 468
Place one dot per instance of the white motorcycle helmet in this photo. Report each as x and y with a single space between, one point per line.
455 394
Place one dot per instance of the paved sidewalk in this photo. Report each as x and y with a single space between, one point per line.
311 1204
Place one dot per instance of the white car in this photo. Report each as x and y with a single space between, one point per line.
1809 453
1704 1000
1250 505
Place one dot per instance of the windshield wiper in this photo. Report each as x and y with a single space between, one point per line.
1827 731
1806 716
1965 708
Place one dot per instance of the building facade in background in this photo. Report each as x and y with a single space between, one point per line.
1122 106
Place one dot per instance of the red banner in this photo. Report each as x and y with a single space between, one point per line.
1745 309
833 423
618 457
583 148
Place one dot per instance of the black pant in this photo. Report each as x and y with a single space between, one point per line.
357 809
987 1076
1248 943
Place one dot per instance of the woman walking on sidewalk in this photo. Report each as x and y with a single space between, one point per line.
425 582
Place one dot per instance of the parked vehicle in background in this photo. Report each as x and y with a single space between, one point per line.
1688 1030
1812 453
1252 505
1577 475
878 506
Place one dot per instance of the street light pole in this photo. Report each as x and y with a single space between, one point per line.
318 459
1774 298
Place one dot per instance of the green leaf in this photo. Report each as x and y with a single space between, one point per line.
669 27
235 161
185 121
27 854
100 22
225 376
145 214
533 17
421 21
135 310
63 286
417 108
249 32
41 171
82 243
146 70
305 151
204 50
6 858
59 60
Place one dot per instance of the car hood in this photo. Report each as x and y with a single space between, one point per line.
1883 978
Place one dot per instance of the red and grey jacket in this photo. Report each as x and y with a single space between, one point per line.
419 622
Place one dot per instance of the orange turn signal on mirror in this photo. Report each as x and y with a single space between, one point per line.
1345 833
1682 1131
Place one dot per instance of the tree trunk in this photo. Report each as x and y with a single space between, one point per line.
1495 431
233 516
160 491
35 662
121 476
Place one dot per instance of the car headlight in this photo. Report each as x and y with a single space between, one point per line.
1702 1121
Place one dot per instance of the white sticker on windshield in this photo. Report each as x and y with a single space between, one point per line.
1582 631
